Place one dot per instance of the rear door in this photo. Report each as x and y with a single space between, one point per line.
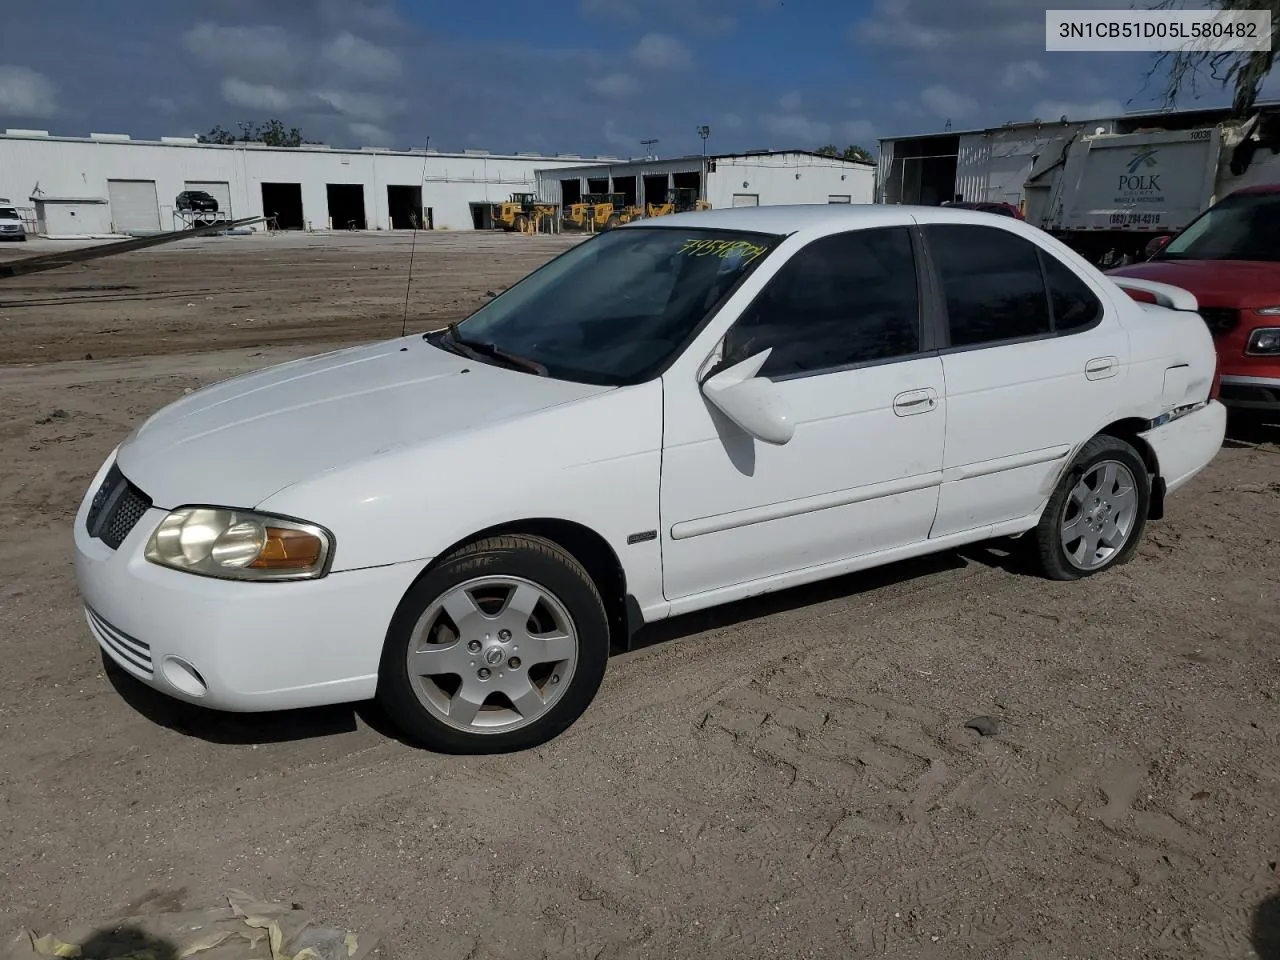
1034 365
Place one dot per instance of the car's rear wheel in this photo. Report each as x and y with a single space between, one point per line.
1096 515
500 647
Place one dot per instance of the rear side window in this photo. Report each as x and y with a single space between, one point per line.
1074 304
999 286
991 281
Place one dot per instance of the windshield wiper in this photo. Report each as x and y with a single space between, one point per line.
479 350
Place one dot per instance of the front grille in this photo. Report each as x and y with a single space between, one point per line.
132 651
1220 320
116 508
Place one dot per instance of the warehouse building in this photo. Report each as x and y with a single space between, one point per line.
754 178
992 165
110 184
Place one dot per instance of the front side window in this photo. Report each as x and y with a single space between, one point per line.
618 307
845 299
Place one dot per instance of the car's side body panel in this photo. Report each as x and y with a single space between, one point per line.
593 463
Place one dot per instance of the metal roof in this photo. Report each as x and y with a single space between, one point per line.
1132 117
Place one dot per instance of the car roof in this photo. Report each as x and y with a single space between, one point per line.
786 219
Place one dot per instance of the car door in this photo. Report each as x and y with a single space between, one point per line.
852 362
1034 366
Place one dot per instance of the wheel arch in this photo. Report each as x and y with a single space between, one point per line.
585 545
1130 429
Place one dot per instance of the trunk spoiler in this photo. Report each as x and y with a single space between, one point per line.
1166 294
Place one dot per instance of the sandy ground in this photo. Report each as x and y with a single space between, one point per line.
787 777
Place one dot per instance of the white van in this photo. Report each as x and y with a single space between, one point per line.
11 225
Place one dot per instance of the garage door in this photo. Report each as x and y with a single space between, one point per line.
219 191
746 199
134 207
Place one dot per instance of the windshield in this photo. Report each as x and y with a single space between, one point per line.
1243 226
618 307
8 213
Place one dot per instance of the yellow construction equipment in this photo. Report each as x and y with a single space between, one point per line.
600 211
522 213
679 200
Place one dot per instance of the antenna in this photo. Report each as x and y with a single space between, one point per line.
413 243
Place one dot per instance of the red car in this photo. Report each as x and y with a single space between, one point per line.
1229 258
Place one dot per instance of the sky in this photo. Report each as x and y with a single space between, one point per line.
590 77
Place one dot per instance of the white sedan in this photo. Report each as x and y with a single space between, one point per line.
672 415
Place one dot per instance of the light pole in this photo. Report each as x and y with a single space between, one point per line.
704 132
648 152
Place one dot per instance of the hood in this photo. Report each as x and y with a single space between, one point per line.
237 442
1215 283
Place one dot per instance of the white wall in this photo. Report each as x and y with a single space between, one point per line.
790 178
81 168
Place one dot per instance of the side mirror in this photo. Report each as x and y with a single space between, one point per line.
1155 245
751 402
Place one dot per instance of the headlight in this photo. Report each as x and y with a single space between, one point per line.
1264 342
240 545
1268 311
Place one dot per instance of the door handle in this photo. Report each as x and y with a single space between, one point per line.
1101 367
915 401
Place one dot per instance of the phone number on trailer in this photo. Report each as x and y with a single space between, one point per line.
1143 218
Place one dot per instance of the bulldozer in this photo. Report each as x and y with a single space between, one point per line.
679 200
600 211
521 212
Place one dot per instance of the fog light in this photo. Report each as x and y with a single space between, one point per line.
184 676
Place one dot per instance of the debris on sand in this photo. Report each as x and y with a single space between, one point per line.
245 929
985 726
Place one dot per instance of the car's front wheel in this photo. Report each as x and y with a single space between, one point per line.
1097 513
500 647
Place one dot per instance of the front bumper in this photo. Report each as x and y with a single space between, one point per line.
232 645
1187 444
1250 393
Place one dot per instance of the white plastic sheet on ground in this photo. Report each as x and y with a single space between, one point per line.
244 929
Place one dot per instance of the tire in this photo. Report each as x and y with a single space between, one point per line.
431 710
1109 518
520 224
612 222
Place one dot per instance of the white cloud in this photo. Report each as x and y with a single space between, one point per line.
364 107
946 103
700 15
658 51
613 135
357 57
803 131
374 14
791 102
861 132
26 93
1023 73
371 135
941 24
255 96
264 51
1097 110
615 85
